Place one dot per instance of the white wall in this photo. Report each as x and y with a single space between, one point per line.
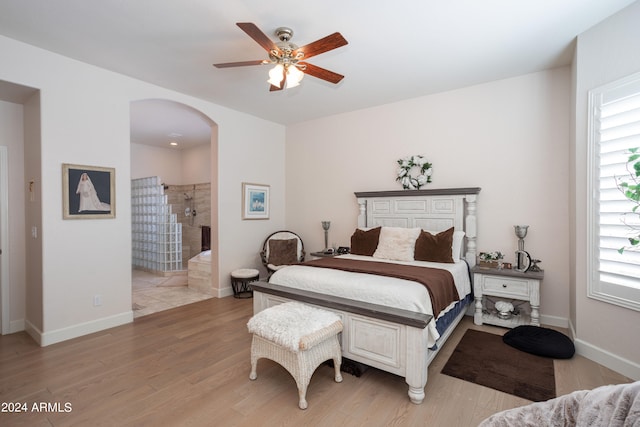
33 172
12 137
605 332
509 137
196 164
155 161
258 159
174 167
85 120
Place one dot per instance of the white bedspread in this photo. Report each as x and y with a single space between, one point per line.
387 291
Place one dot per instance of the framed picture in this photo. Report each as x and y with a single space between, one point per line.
88 192
255 201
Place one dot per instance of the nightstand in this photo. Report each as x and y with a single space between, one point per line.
510 285
321 254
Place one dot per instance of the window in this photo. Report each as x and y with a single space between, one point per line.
614 128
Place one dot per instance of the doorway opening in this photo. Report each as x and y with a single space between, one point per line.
173 147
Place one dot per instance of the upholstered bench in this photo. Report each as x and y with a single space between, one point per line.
298 337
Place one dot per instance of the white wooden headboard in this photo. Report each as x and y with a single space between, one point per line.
433 210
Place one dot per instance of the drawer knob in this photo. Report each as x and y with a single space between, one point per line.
504 285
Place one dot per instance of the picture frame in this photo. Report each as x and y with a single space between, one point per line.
88 192
255 201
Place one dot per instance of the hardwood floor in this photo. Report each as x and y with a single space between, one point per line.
190 366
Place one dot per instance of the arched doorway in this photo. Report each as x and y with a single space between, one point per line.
177 144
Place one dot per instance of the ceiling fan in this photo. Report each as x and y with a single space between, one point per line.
288 57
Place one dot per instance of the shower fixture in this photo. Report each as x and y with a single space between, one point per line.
190 208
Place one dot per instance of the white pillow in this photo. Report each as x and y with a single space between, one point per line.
456 247
458 238
397 243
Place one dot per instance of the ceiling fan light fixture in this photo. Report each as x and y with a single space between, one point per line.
294 76
286 56
290 84
275 75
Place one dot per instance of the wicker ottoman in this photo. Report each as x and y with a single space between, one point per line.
298 337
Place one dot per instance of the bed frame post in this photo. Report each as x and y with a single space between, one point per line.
416 363
471 229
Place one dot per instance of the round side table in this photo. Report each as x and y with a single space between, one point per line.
240 282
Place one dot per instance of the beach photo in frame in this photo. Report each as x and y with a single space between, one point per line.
88 192
255 201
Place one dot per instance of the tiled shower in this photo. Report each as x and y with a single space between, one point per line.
156 233
192 205
167 223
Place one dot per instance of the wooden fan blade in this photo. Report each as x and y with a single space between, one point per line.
321 73
255 33
332 41
242 63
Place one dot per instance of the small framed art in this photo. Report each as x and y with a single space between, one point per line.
88 192
255 201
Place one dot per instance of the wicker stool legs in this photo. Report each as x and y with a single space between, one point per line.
300 365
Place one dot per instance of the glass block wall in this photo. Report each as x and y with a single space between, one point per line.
155 233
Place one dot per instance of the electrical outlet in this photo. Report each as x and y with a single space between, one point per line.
97 300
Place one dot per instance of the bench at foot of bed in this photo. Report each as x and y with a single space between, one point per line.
386 338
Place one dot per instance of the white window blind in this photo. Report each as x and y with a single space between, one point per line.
614 114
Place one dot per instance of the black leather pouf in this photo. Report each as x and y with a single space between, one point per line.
540 341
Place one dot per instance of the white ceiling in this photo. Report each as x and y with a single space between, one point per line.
397 49
159 123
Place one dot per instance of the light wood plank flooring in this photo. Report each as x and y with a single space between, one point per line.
190 366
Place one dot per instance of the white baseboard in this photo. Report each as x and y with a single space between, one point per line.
16 326
34 332
559 322
63 334
612 361
225 292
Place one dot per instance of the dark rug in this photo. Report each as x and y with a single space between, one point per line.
483 358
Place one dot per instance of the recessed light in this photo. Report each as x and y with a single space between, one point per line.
175 144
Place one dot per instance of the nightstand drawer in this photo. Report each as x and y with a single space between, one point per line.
505 286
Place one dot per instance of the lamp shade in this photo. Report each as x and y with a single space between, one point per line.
275 75
294 76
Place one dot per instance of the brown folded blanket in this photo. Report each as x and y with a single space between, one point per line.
439 283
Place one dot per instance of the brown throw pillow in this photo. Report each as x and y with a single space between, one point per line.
434 248
365 242
283 251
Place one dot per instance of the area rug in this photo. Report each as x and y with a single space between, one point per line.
483 358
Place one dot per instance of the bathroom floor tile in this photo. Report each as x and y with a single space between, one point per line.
152 293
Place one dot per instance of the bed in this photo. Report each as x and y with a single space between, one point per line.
391 321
